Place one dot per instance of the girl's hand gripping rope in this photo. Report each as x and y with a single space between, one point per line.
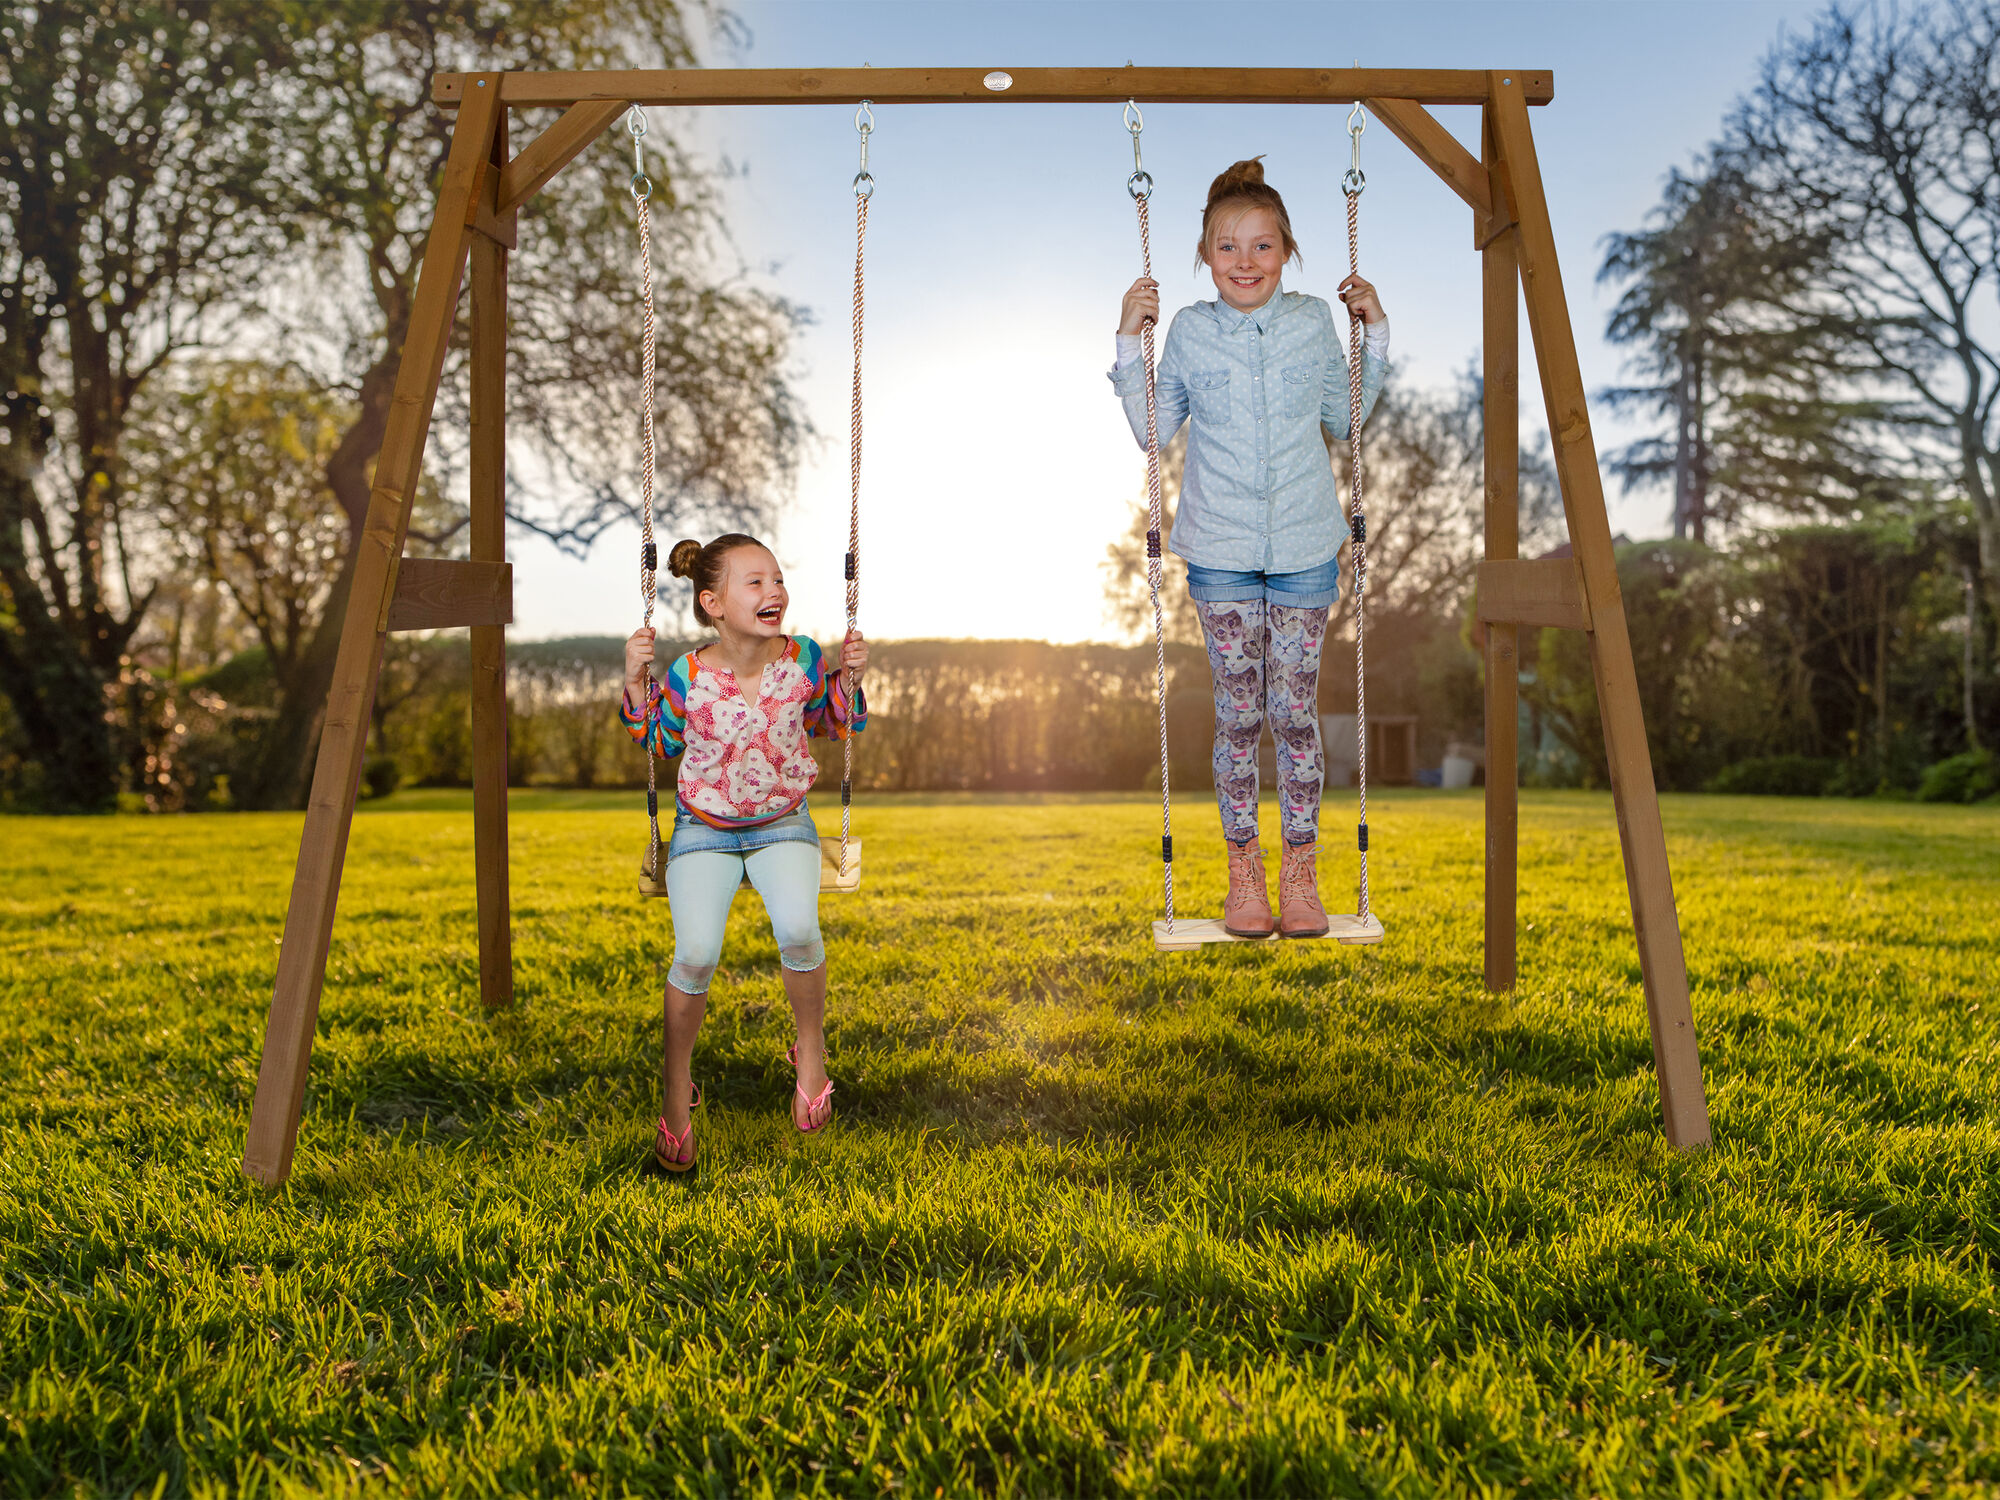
638 661
853 660
1361 301
1140 307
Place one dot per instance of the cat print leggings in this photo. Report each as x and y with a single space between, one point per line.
1264 658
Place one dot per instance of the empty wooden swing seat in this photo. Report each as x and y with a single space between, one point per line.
1186 934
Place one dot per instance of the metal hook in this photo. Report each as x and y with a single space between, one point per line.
864 122
1354 180
1140 183
635 126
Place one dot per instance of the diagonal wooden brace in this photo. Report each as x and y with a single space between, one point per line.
288 1034
1649 882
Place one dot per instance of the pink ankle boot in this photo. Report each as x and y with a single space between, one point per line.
1299 913
1247 912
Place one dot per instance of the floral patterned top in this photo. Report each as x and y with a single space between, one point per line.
746 759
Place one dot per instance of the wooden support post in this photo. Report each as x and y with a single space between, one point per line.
489 642
1676 1057
1501 337
288 1035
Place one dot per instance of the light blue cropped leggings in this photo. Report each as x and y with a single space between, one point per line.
700 887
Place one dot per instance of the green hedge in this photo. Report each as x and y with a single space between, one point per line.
1971 777
1777 776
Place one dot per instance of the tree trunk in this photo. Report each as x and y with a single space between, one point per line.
1684 420
1980 467
1971 659
1882 676
58 700
1698 479
45 671
1986 523
279 775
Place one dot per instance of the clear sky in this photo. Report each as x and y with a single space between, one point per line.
998 466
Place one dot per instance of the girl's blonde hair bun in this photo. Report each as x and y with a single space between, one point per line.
682 559
1242 183
1237 175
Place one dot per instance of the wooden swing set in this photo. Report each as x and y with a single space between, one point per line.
481 193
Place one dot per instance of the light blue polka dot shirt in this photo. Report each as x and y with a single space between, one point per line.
1258 493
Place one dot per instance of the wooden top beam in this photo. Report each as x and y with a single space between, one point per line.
968 85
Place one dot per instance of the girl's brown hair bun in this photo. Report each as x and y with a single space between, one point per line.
1241 186
681 560
705 567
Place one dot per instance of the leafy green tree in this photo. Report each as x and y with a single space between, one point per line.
367 148
1681 599
232 457
1751 374
136 136
261 176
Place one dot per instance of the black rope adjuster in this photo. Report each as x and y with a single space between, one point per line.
1152 544
1360 527
846 793
850 567
1167 849
649 557
1362 843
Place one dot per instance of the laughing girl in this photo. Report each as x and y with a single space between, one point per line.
739 711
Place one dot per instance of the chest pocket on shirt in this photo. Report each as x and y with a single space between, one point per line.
1208 397
1301 390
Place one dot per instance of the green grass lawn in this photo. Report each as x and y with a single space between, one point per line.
1298 1221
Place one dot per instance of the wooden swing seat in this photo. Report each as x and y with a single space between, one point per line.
1190 933
833 876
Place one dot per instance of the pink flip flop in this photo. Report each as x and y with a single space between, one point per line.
819 1108
675 1153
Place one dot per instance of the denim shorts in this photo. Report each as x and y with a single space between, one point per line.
692 836
1310 588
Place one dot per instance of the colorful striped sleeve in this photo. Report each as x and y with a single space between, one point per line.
662 729
828 714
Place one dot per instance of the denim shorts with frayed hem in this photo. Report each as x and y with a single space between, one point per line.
1309 588
692 836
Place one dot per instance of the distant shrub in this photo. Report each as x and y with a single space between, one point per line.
382 775
1970 777
1776 776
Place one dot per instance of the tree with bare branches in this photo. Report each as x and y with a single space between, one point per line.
1878 130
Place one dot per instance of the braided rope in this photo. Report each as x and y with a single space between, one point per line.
648 555
1359 525
853 520
1153 565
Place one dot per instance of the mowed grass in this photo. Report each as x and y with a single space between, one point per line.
1298 1221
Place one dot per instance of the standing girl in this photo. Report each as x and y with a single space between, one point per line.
740 711
1260 372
